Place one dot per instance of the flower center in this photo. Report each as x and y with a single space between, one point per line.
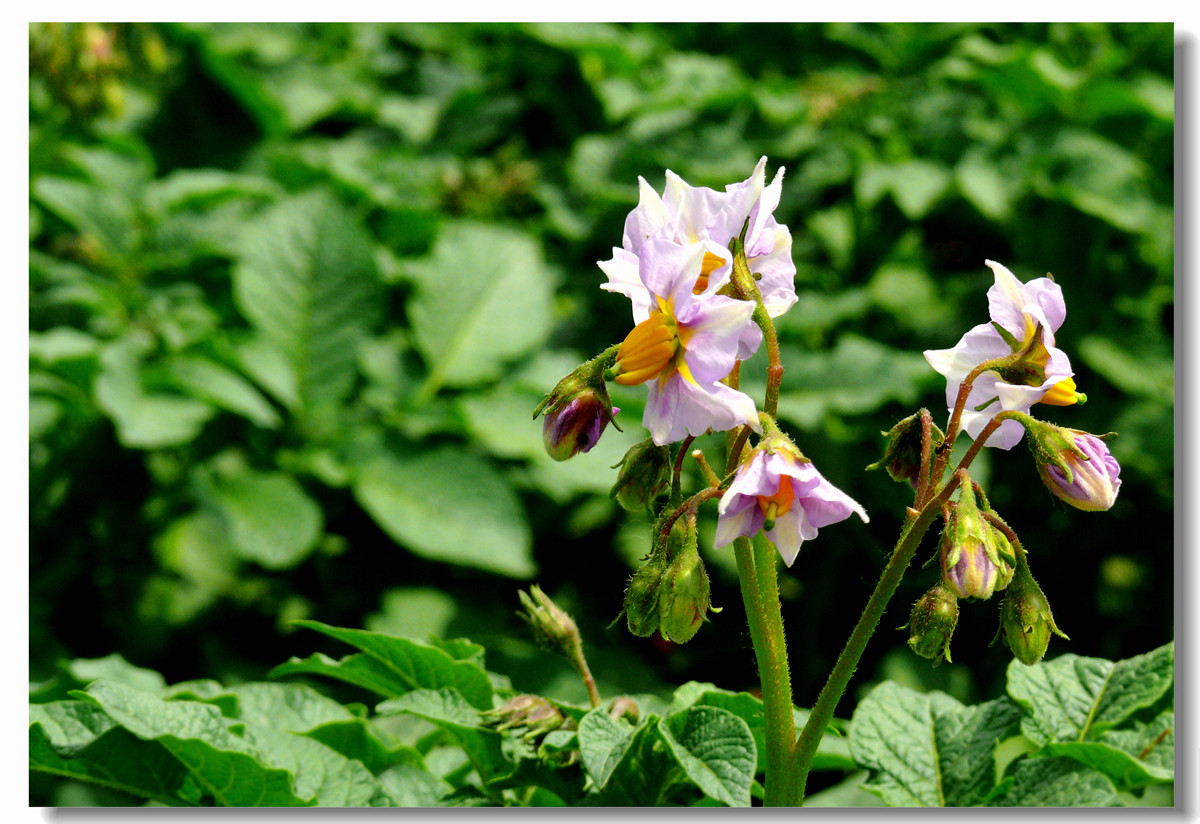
710 264
647 350
778 504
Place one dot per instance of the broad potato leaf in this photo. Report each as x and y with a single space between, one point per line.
483 298
297 708
715 749
226 767
1073 698
358 669
415 665
603 741
448 505
928 750
447 709
144 419
210 381
80 672
270 519
318 772
833 753
77 739
307 279
1059 782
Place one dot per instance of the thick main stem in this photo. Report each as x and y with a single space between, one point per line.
760 593
916 524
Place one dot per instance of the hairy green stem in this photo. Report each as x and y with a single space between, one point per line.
915 526
760 593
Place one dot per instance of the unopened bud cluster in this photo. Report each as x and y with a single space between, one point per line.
670 592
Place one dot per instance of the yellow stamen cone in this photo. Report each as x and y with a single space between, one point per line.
647 350
1063 394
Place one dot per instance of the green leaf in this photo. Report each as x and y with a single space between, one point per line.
448 505
447 709
715 749
642 777
1123 768
358 669
144 420
306 278
603 741
210 381
857 376
1133 371
928 750
414 665
483 298
102 214
1075 698
411 785
77 739
80 672
915 185
270 518
318 772
225 766
833 753
1059 782
967 741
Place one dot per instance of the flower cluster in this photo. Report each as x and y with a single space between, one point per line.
676 265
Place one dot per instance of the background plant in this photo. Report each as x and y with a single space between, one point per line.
249 388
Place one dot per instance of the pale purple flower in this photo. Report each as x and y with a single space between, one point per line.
689 215
1095 477
789 488
683 345
1018 308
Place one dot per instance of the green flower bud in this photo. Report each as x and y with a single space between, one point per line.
683 597
531 712
1004 551
641 597
970 565
902 455
1026 620
934 617
553 628
645 472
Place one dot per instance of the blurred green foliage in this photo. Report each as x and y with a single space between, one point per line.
296 289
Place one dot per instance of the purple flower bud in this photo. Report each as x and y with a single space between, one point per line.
970 565
575 425
1092 478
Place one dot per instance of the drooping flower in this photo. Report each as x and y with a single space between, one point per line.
1019 309
690 215
682 346
780 490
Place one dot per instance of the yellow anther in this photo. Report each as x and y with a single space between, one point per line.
710 264
1063 394
778 504
647 350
